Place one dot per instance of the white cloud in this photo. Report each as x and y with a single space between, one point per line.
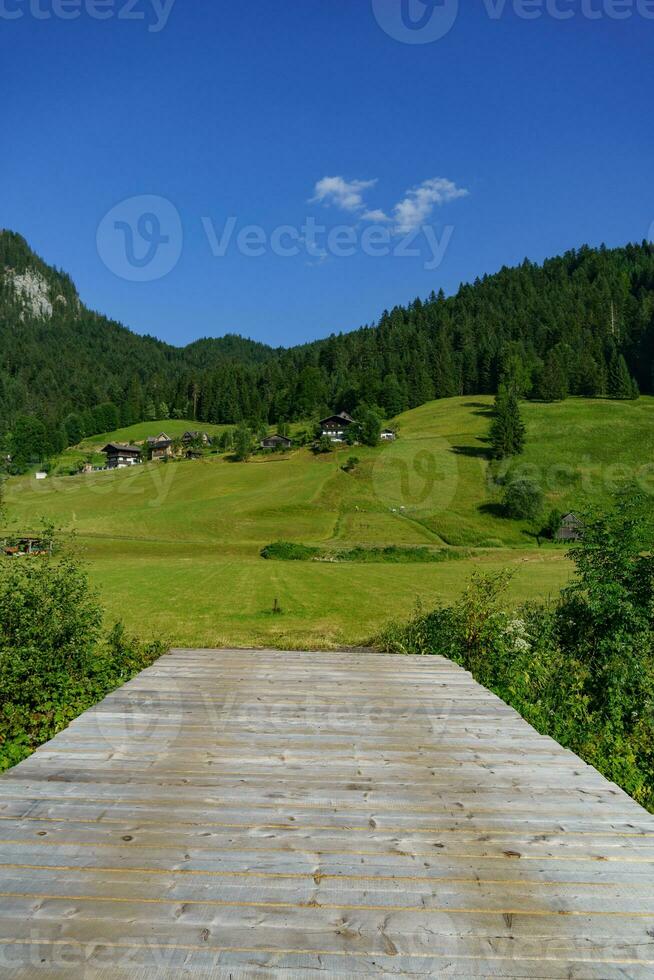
345 194
417 206
377 215
406 216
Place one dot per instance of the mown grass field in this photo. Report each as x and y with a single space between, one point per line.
174 548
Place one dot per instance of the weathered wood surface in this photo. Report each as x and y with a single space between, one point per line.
268 814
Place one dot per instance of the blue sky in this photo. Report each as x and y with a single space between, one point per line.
507 137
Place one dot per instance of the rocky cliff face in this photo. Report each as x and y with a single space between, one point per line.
31 289
32 293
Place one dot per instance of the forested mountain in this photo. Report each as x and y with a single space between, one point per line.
579 324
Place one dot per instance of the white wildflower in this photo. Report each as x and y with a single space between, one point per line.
517 635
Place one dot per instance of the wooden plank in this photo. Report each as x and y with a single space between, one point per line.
261 813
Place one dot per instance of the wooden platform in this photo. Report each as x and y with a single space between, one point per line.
267 814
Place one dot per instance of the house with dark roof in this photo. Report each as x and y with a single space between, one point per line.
120 455
276 442
335 426
160 447
196 437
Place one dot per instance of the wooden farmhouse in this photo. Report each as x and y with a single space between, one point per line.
335 426
196 437
119 456
276 442
160 447
571 528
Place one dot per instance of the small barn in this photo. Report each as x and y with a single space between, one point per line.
119 456
19 547
335 426
276 442
571 528
387 435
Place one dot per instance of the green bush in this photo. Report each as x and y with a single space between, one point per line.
581 671
55 660
523 500
396 555
552 525
324 445
289 551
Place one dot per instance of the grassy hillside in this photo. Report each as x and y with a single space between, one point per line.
90 449
138 433
174 548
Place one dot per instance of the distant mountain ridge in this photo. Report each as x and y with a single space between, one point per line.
582 323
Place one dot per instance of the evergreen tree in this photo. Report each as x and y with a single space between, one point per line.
591 379
227 441
132 407
507 431
28 443
392 396
74 429
621 384
495 330
552 385
242 443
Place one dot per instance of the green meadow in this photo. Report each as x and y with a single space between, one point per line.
174 549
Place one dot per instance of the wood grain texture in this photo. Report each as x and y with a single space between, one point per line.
268 814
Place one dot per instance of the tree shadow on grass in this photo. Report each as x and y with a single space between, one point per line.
482 408
476 452
493 510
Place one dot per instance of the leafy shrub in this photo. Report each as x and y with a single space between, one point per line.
289 551
581 671
552 524
243 439
396 555
54 659
324 445
523 500
371 426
